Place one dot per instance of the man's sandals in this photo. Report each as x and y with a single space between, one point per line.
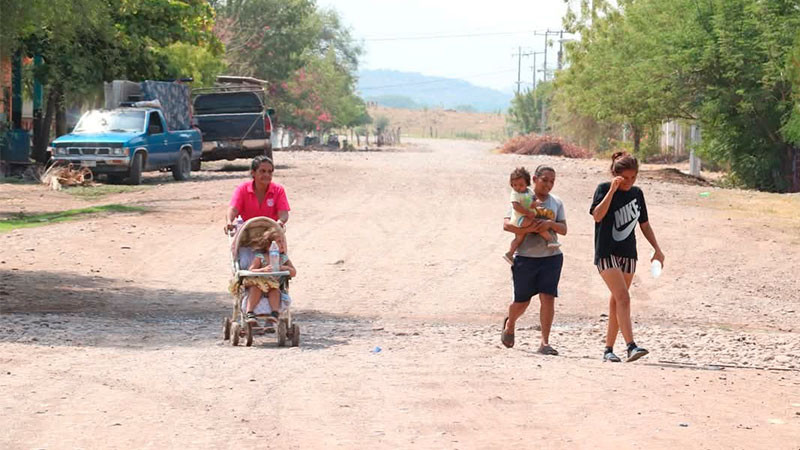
547 350
506 338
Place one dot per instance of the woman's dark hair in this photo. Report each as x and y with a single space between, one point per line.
542 169
623 161
261 159
521 172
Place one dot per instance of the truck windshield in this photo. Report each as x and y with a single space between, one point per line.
113 121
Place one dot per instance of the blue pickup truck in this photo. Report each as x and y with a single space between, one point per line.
125 142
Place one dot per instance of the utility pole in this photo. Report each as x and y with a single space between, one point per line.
534 67
519 69
545 54
519 56
547 34
533 92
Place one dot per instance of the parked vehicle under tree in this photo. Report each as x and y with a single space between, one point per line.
233 118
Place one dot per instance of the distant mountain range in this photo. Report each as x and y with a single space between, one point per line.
416 91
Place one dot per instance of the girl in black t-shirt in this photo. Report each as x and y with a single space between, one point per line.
616 207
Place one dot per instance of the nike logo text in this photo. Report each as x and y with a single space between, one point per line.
621 235
625 221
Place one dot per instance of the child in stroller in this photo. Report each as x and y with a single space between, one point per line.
261 290
257 286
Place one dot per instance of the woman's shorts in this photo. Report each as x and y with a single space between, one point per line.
532 276
626 265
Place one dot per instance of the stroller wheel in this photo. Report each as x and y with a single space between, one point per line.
226 329
282 332
235 330
249 334
295 335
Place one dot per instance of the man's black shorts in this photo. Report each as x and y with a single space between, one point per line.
534 276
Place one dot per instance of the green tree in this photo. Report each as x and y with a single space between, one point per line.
268 39
188 60
320 97
86 42
381 124
724 63
525 112
615 75
76 41
747 89
305 54
153 38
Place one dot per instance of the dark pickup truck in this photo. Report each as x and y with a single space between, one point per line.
233 119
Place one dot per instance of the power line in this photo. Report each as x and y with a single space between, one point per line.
445 36
444 80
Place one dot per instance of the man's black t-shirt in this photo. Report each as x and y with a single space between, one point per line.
614 235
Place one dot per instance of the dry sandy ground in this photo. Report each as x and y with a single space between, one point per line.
443 123
111 336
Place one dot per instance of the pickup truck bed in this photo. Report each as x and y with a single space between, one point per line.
234 123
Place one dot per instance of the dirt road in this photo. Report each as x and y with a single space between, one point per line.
111 334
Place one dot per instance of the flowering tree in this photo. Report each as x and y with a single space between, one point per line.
305 54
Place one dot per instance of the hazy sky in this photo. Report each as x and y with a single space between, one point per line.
415 36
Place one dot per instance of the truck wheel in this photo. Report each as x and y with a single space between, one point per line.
135 174
182 168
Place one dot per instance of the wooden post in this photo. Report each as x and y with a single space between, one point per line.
694 164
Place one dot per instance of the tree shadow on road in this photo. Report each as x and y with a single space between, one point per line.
234 171
62 309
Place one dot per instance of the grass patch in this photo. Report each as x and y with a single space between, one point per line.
35 220
780 210
468 136
100 190
756 204
17 180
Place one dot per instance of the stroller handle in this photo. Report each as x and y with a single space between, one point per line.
250 273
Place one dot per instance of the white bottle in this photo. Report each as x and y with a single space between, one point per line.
275 257
655 268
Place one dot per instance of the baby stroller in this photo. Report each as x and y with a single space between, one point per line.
236 327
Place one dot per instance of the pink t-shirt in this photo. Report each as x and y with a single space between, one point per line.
245 201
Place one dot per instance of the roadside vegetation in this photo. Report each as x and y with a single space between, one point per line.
23 220
70 47
727 66
96 191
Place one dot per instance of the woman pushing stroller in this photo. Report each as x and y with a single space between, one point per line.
257 197
264 210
